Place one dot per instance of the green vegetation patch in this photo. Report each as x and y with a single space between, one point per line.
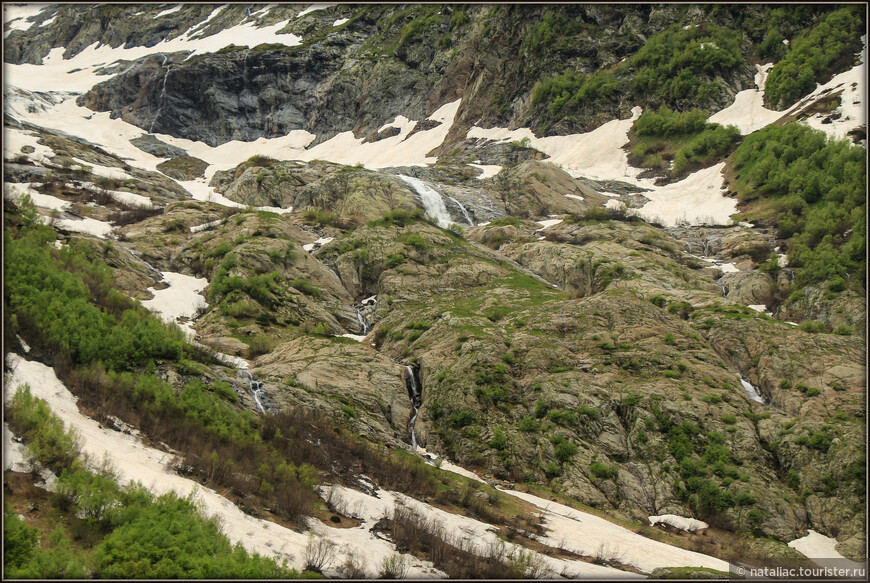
813 190
815 57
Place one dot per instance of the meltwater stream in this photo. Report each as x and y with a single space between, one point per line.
256 388
362 321
416 401
432 201
753 392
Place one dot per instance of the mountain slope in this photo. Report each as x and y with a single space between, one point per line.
507 238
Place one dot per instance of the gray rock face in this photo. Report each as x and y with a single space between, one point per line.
362 74
748 287
151 145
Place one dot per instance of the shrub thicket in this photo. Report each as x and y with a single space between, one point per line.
816 193
813 58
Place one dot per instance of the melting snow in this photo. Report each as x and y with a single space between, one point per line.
16 15
574 196
180 300
319 243
853 113
549 223
747 112
206 226
687 524
135 461
314 7
340 21
586 534
86 225
489 170
819 547
15 192
597 154
169 11
77 74
696 199
728 268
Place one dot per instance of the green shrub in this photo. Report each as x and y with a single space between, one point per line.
746 499
528 424
843 330
813 58
565 450
462 419
588 412
415 240
563 417
306 287
602 471
499 441
816 193
659 300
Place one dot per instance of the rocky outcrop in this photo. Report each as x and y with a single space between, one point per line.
383 62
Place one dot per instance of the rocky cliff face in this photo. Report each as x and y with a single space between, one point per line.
383 62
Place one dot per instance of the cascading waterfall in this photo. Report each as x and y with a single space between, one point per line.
753 392
162 97
256 388
464 211
432 201
416 401
362 321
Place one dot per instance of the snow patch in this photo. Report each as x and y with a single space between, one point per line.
748 113
17 15
87 225
15 192
587 534
489 170
819 547
180 300
728 268
549 223
697 199
169 11
317 244
314 7
78 73
206 226
339 22
597 154
575 197
687 524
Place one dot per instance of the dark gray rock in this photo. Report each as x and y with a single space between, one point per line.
151 145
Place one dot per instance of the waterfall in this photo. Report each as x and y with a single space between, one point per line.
362 321
256 388
754 394
432 201
162 97
416 401
245 70
464 211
